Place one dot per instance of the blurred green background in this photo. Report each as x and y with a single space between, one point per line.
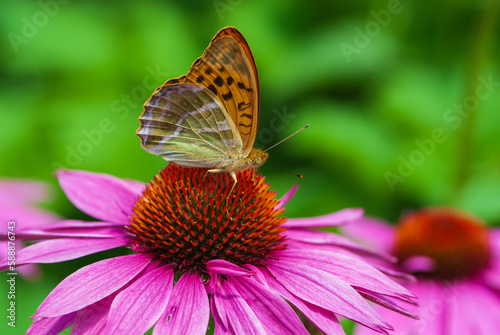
402 99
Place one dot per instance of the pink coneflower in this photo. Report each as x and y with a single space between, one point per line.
18 213
202 250
456 260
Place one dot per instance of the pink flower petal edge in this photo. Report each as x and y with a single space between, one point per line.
341 217
188 310
148 297
91 283
102 196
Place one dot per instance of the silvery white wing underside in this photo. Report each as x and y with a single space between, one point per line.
187 125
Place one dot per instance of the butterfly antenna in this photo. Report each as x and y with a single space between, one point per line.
283 140
284 168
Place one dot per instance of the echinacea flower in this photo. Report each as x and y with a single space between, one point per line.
200 249
18 213
456 260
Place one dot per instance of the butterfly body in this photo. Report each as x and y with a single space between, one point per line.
208 118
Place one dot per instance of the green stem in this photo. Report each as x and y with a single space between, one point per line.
479 46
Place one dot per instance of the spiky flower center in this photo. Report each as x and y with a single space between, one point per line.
187 217
457 242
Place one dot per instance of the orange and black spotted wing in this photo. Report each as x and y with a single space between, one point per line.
227 68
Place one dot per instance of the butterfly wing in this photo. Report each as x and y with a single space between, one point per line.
227 68
188 126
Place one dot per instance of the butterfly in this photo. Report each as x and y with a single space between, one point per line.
208 118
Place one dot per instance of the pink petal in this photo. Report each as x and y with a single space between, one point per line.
54 251
329 220
135 185
385 302
222 267
102 196
474 309
92 319
325 320
23 191
92 283
25 217
72 228
188 310
288 195
238 315
65 225
50 326
138 307
327 291
491 275
323 238
431 313
275 315
495 242
419 264
353 271
30 272
374 233
220 317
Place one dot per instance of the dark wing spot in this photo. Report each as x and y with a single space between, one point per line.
196 61
200 79
212 88
249 90
208 71
241 85
244 125
245 115
173 81
227 96
218 81
229 80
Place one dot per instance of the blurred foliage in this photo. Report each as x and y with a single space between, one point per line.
74 77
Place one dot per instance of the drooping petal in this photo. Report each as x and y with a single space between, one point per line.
236 315
431 311
54 251
92 319
325 320
288 195
275 315
341 217
351 270
187 311
92 283
220 317
373 233
102 196
223 267
51 326
327 291
385 302
147 296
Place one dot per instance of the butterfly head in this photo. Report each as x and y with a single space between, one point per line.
257 157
